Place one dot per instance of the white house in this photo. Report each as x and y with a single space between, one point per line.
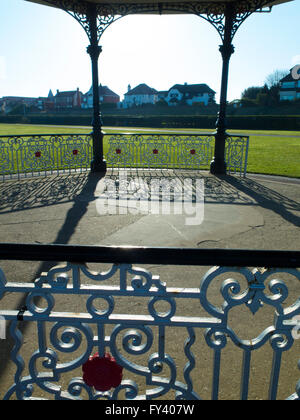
190 94
141 94
290 85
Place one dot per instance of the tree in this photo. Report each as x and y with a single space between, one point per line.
251 92
267 95
273 83
246 102
262 99
274 78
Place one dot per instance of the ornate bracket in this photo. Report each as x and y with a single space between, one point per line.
214 13
82 10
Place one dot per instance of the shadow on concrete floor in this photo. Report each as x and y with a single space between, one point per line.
266 198
79 189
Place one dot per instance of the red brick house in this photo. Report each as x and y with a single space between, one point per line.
107 96
7 103
68 100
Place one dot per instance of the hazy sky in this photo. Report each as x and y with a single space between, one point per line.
42 48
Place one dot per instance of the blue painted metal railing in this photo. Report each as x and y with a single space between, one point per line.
159 336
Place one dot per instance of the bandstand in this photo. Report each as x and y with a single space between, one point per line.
87 323
95 16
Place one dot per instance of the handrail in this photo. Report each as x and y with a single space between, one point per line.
121 133
150 255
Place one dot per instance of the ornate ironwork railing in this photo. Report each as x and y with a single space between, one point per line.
123 333
27 155
160 151
45 154
180 151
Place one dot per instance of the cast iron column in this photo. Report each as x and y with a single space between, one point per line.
98 164
218 164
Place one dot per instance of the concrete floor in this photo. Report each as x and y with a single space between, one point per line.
256 212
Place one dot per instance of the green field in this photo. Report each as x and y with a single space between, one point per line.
270 152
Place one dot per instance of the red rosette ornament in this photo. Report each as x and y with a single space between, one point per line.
103 373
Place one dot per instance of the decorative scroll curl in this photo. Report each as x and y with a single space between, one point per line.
139 339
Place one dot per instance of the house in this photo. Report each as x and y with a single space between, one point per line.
140 95
7 103
107 96
48 103
190 94
236 103
69 99
162 94
290 85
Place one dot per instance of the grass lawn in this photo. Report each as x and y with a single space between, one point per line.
274 155
270 152
19 129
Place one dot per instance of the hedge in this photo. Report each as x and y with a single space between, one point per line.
245 122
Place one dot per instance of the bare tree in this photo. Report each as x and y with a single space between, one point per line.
274 78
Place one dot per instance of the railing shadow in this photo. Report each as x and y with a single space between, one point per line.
42 192
216 191
79 189
28 193
34 193
266 197
219 190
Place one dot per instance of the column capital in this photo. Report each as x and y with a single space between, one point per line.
226 51
94 51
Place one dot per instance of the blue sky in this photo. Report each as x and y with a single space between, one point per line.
42 48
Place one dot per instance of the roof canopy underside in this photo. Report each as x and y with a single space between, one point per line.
165 7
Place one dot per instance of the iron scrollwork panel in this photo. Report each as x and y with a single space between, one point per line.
44 153
138 340
8 155
196 152
236 153
173 151
75 151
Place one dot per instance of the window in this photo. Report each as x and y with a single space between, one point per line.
287 85
287 98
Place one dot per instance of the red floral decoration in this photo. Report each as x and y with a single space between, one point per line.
193 152
118 151
103 373
75 152
38 154
155 151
